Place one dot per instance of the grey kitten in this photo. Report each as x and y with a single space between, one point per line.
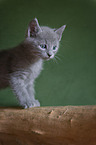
21 65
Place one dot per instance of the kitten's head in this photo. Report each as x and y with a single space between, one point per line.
44 40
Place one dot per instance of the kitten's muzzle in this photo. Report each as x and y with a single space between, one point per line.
49 54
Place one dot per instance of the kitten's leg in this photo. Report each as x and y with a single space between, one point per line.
30 89
18 85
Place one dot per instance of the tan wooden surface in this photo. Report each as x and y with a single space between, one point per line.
69 125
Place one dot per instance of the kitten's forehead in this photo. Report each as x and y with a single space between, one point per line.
48 34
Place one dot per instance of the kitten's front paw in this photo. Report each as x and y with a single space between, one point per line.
36 103
25 106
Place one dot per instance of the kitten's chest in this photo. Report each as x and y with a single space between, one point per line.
35 69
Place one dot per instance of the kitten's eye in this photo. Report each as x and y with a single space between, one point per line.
44 46
54 47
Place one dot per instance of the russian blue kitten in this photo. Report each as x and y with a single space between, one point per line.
21 65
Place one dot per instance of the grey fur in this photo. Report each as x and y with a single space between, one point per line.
21 65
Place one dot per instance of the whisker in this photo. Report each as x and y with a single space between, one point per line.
63 58
55 60
60 55
57 57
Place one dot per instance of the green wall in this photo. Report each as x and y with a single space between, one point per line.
72 80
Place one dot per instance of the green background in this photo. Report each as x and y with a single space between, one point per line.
72 80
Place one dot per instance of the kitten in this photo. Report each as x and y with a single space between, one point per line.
21 65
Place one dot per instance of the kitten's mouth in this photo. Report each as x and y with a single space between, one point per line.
47 58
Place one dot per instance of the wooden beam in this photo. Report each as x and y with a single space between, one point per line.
69 125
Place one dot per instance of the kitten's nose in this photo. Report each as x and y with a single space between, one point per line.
49 54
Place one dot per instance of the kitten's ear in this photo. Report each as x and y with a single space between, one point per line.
33 28
60 31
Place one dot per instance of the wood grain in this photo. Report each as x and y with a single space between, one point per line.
69 125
